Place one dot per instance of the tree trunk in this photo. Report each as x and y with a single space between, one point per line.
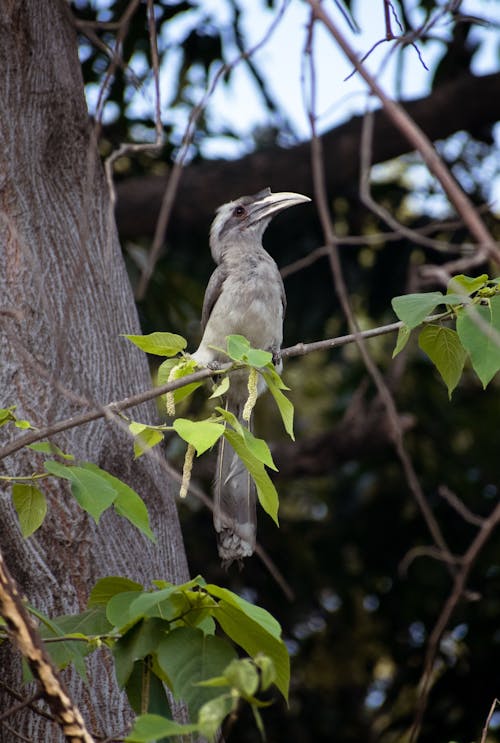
65 299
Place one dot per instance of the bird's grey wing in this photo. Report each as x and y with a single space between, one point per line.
212 294
283 295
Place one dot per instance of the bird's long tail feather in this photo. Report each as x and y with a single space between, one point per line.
235 517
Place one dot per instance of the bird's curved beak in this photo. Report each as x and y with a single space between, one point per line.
273 203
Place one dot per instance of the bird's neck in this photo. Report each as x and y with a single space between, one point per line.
241 253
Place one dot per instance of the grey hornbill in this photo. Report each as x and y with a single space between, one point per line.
244 296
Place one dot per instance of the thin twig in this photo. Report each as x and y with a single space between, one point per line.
20 705
331 241
459 506
109 52
457 591
426 551
115 61
153 147
417 235
32 706
387 20
381 212
17 734
304 262
300 349
176 172
402 40
101 412
24 636
488 719
485 243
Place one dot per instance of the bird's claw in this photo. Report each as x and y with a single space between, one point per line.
214 365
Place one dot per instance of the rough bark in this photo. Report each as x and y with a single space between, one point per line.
64 300
468 103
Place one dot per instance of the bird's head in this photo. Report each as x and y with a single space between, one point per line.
244 220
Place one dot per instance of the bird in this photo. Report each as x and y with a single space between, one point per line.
244 296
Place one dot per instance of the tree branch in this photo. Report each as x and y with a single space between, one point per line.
203 187
128 402
24 635
459 585
416 137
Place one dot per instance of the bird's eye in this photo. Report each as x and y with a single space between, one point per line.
239 211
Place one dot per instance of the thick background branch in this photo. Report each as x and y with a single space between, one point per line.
205 186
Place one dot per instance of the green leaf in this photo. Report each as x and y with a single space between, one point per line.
275 377
92 491
139 641
237 347
66 652
23 424
284 405
182 369
148 728
7 415
232 419
212 714
188 656
106 588
259 615
143 682
484 351
412 309
201 434
266 492
131 506
242 675
127 503
194 609
90 622
46 447
267 671
468 284
31 507
258 358
164 370
128 607
160 344
155 604
444 349
453 300
145 437
118 609
402 339
221 388
254 629
257 447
